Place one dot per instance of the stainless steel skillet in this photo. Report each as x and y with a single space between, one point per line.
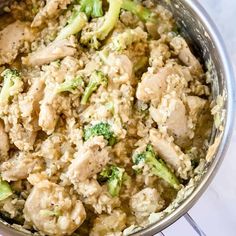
199 29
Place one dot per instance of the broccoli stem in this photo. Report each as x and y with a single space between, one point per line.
97 79
70 85
111 18
74 26
137 9
160 169
91 7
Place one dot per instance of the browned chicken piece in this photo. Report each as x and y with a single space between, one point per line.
184 53
4 141
20 166
170 153
53 210
12 39
56 50
50 10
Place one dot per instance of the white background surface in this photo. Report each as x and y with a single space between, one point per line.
215 212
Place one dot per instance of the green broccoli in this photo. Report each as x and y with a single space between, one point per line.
92 8
140 11
114 176
100 129
103 30
5 190
75 24
11 85
97 78
157 166
70 85
125 39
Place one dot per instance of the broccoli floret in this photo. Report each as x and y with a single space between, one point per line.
110 19
157 166
5 190
100 129
140 11
70 85
125 39
92 8
97 78
11 85
75 24
113 175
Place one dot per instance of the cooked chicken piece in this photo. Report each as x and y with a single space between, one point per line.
29 105
4 143
184 53
12 39
53 210
97 196
152 86
170 78
49 109
159 53
120 68
50 10
89 160
145 202
22 138
195 105
112 224
20 166
169 114
56 50
170 153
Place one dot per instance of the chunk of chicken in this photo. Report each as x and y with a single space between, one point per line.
20 166
195 105
97 196
184 53
56 50
145 202
50 10
112 224
159 53
4 143
171 153
53 210
12 39
152 86
120 68
170 78
29 105
49 109
22 138
89 160
171 113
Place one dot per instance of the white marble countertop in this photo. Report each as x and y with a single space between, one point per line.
215 212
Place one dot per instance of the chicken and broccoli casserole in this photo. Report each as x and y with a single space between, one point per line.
104 115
